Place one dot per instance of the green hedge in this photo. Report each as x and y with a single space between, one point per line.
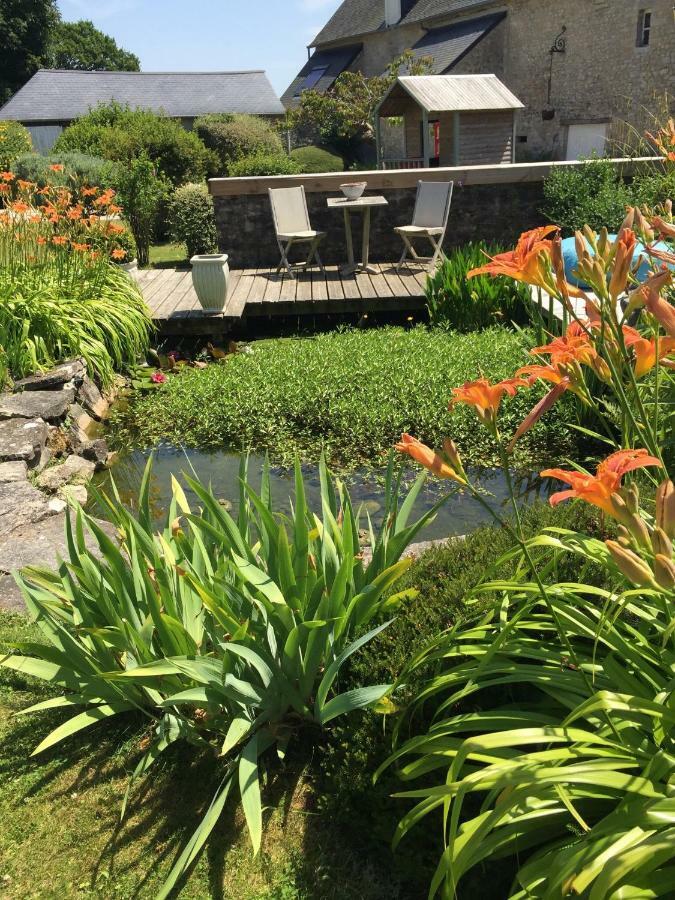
317 159
233 137
79 169
264 164
14 140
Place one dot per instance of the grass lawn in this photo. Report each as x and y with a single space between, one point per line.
350 393
166 256
327 828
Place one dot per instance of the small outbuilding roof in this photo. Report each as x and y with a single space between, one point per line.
454 93
55 95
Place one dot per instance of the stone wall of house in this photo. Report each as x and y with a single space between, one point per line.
603 76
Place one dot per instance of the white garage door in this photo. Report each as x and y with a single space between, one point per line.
586 140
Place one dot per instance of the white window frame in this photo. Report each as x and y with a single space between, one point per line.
644 27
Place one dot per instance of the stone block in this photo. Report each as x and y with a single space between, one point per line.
72 371
48 405
21 504
96 451
73 493
75 470
22 439
91 399
79 417
13 471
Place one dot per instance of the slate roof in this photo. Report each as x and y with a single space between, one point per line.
55 95
335 61
452 93
449 44
357 17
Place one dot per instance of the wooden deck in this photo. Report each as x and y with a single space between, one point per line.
262 292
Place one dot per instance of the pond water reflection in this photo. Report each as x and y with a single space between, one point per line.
459 515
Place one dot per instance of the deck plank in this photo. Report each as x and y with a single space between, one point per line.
380 284
163 297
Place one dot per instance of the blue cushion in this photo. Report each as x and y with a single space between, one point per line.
570 259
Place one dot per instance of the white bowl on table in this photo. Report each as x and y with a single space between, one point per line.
354 189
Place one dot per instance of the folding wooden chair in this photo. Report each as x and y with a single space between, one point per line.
292 226
430 219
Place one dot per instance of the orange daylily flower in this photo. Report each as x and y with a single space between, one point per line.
574 346
118 253
649 296
59 240
7 176
75 213
89 192
485 397
623 260
20 207
601 489
4 188
56 167
527 262
80 248
645 350
424 455
665 229
25 185
547 373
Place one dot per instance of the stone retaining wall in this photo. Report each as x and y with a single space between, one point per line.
490 203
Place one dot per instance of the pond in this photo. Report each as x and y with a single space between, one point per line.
459 515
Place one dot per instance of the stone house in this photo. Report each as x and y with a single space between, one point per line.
589 72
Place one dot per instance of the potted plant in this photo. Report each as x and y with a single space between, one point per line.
192 222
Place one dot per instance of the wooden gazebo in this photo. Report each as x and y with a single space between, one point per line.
451 120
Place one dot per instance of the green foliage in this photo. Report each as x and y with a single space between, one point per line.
233 137
106 322
343 116
351 392
79 170
25 29
120 134
456 302
191 219
140 190
14 141
264 164
225 634
562 753
317 159
80 45
592 194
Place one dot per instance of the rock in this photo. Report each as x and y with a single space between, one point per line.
22 439
75 470
97 451
77 438
90 398
21 503
13 471
40 544
74 370
73 493
48 405
44 460
79 417
56 505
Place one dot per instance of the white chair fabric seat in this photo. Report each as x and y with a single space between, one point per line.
417 229
301 235
430 220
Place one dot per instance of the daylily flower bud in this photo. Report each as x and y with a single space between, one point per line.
630 564
624 537
452 453
628 221
639 530
661 543
665 507
664 571
632 497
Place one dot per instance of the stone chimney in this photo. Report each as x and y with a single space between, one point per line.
392 12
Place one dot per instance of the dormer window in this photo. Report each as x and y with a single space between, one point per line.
311 79
644 27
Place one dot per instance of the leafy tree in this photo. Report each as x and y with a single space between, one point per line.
344 115
80 45
24 34
141 189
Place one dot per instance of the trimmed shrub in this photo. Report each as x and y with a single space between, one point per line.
191 220
456 302
79 170
593 194
233 137
317 159
264 164
14 140
120 134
